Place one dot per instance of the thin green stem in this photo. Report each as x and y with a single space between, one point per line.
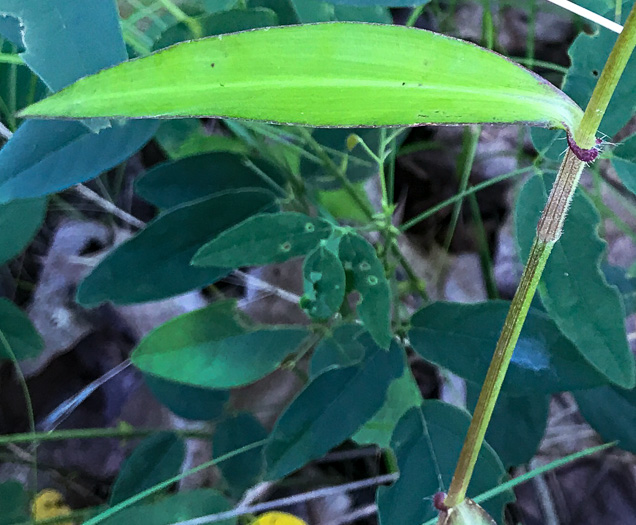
471 139
497 371
93 433
458 196
165 484
6 58
193 24
487 267
548 233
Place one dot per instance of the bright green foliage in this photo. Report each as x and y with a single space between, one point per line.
573 289
426 442
19 222
18 332
189 402
462 338
344 347
365 274
176 182
243 471
213 349
349 396
624 162
155 459
324 283
155 263
340 74
219 23
264 239
611 411
517 425
172 509
14 502
403 394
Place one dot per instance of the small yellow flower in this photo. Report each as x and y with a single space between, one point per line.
50 503
278 518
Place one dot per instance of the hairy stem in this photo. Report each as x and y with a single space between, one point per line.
548 233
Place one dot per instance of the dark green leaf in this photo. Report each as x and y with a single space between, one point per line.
59 55
516 443
264 239
44 157
611 412
19 333
284 10
343 348
625 284
172 509
14 503
217 23
462 338
427 442
376 14
209 348
189 402
624 162
176 182
19 222
155 263
10 30
573 289
243 471
349 396
403 394
324 283
386 3
366 273
156 459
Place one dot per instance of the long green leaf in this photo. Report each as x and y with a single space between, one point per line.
333 74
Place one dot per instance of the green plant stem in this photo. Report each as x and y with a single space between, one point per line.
6 58
483 249
548 233
469 191
471 140
193 25
94 433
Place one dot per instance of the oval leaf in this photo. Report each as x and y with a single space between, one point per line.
245 470
365 273
209 348
462 338
19 333
264 239
155 459
336 74
573 288
611 412
426 443
19 222
155 263
348 396
324 283
176 182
